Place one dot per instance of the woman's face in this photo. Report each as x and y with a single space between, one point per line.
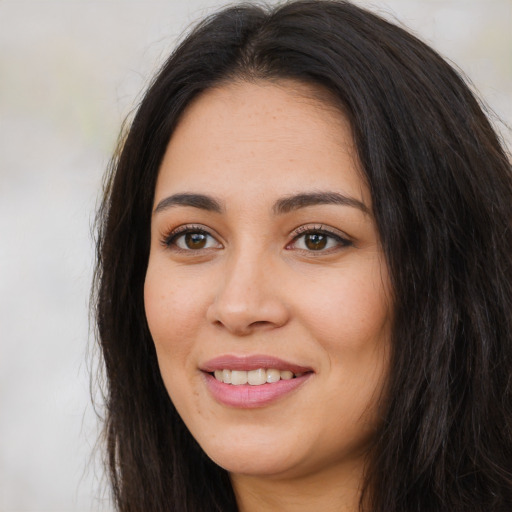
265 262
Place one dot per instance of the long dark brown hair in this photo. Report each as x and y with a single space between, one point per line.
441 187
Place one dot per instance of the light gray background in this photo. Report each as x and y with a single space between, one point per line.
70 71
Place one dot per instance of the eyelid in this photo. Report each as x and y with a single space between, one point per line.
170 236
342 238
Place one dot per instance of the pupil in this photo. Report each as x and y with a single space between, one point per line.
195 240
316 241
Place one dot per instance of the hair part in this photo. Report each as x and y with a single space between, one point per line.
441 187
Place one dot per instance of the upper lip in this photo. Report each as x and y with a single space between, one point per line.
251 362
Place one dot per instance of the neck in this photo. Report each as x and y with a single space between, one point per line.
328 490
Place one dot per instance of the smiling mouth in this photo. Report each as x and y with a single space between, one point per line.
255 377
254 381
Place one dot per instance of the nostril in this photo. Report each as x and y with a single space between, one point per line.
260 323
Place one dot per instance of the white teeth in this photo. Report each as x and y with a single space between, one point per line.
226 376
254 377
257 377
273 375
238 377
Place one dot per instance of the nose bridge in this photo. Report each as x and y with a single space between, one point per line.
247 296
243 270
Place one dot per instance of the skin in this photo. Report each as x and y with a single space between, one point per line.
257 287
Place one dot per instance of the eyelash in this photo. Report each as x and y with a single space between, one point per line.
170 239
341 241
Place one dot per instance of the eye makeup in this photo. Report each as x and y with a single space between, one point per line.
319 239
309 238
190 238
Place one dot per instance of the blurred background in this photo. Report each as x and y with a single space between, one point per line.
70 72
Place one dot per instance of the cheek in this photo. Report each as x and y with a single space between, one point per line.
351 310
172 311
351 321
173 315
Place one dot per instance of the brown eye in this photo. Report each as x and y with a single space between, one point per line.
315 241
192 240
196 240
319 240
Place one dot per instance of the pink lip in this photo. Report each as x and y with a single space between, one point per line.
246 396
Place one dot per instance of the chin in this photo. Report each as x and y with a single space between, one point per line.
261 456
262 464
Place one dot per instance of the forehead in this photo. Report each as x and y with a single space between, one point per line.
275 137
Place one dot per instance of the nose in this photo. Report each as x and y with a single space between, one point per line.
249 296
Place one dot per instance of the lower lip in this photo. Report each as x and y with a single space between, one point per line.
246 396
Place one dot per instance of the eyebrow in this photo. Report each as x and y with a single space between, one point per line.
281 206
200 201
294 202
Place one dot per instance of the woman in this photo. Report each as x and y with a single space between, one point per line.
304 280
